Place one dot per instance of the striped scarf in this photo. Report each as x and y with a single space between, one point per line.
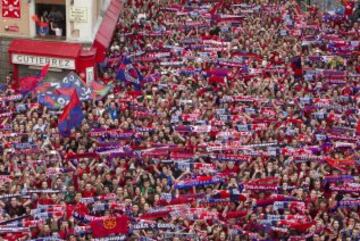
349 203
198 182
112 238
10 98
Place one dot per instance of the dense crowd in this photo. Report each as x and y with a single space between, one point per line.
237 120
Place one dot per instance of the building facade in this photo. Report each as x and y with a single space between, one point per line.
77 19
65 21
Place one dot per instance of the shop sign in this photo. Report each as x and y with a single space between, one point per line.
33 60
78 15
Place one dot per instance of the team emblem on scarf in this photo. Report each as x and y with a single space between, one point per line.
109 223
128 73
131 74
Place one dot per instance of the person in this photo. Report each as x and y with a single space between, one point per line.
42 24
14 208
55 28
349 6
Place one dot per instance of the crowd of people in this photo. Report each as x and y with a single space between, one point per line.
228 120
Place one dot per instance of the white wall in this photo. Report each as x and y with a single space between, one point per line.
31 22
82 32
102 5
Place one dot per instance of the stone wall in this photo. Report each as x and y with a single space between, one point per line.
5 67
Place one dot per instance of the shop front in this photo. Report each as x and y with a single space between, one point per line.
29 56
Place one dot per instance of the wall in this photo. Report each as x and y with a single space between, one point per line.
51 1
4 58
82 31
104 4
22 23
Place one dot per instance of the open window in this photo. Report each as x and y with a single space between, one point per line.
50 18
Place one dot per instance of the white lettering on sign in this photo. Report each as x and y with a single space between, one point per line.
59 63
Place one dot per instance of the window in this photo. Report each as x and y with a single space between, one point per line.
50 20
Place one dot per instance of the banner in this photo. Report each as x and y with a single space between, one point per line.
106 226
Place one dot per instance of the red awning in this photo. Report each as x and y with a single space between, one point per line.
45 48
106 30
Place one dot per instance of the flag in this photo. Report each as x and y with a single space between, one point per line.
44 87
72 80
52 101
72 115
103 227
296 66
44 71
99 91
38 21
127 72
67 91
56 94
29 83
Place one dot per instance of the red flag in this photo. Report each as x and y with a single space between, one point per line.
38 22
107 226
72 115
44 71
28 84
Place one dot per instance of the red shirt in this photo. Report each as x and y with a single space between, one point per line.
14 236
106 80
45 201
90 193
349 6
63 234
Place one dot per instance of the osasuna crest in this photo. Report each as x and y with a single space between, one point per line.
109 223
131 74
11 9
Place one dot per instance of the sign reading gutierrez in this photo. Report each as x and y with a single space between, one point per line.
42 61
